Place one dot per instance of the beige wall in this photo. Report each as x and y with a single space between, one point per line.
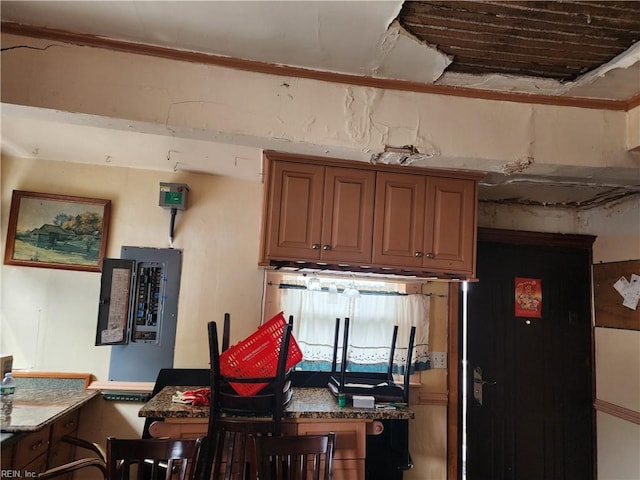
49 316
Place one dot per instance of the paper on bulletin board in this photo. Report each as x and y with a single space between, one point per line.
629 290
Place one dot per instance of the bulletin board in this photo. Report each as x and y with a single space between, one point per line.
610 310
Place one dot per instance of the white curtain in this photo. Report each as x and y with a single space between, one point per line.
372 319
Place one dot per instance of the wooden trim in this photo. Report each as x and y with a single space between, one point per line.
144 387
289 71
87 377
453 370
633 102
271 155
432 398
617 411
519 237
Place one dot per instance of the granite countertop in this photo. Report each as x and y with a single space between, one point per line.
29 410
305 403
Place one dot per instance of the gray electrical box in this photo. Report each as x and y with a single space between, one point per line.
173 195
137 314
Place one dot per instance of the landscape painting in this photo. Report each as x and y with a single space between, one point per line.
57 231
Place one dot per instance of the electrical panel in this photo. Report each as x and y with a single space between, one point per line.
137 313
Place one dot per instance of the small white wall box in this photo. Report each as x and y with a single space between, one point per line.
173 195
363 401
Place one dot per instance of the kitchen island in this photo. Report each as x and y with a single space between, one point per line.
310 411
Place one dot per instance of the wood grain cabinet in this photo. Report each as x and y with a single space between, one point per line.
319 213
425 222
43 449
377 218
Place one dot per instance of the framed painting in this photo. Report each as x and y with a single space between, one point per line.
57 231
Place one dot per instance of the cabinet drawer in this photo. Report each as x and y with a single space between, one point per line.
65 425
30 447
59 454
38 465
6 456
350 437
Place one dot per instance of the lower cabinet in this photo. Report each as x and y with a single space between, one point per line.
41 450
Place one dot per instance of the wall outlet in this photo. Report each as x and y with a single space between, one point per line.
438 359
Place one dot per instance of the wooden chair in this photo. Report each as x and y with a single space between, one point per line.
228 452
234 456
295 457
140 459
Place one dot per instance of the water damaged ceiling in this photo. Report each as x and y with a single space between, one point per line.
552 49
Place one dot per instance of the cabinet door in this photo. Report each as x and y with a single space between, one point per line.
347 222
450 225
295 211
399 220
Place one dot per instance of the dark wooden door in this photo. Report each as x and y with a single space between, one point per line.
535 419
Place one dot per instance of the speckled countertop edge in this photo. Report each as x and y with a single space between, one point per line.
308 403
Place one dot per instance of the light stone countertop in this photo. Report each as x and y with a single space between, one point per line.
305 403
29 410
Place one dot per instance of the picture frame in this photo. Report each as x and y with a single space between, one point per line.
57 231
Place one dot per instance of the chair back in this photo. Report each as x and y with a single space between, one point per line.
227 443
234 457
152 458
295 457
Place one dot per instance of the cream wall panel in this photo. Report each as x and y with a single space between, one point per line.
618 447
618 367
428 440
299 114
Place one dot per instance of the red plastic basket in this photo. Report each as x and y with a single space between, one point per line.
257 356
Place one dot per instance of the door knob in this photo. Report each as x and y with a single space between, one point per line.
315 246
418 254
326 247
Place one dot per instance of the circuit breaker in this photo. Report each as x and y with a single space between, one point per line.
137 313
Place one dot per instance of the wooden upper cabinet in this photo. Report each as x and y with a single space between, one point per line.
399 220
294 211
319 213
425 222
450 229
373 218
347 222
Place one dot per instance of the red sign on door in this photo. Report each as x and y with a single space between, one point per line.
528 297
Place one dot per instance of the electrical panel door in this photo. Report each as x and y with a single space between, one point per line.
138 309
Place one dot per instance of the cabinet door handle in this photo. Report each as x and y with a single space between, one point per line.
429 255
315 246
326 247
37 445
418 254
